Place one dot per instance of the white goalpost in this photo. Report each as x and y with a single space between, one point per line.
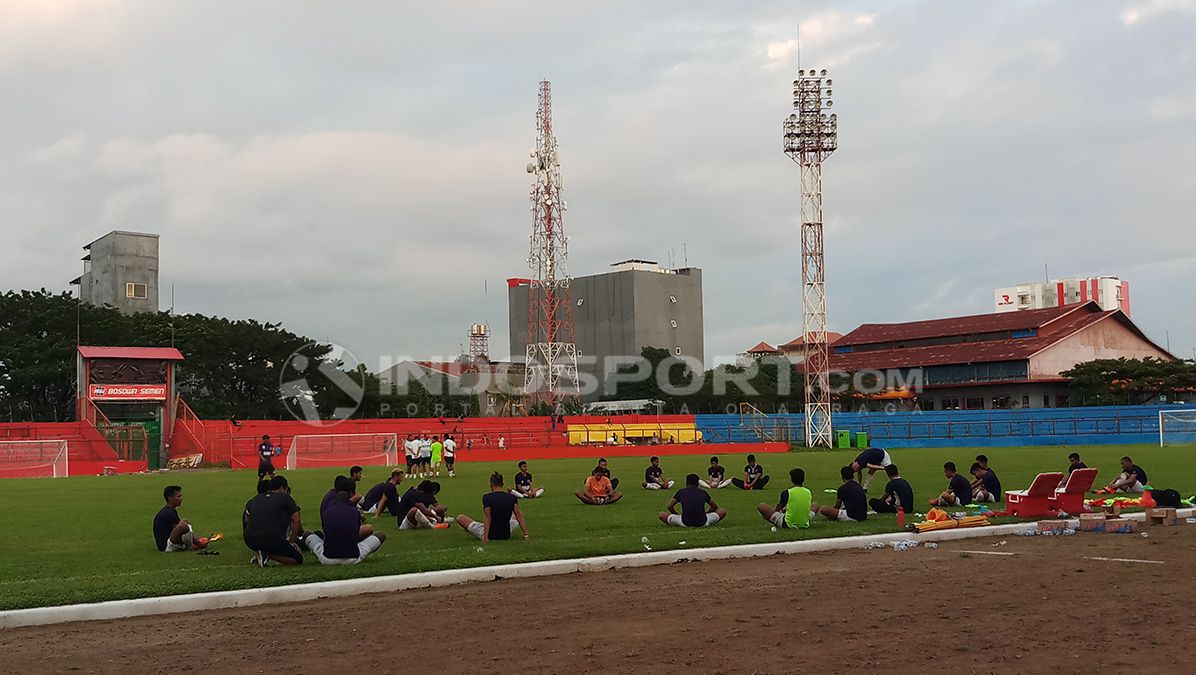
34 459
317 450
1177 427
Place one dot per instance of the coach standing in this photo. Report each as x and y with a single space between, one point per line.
265 458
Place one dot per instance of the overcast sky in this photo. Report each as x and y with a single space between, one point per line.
356 171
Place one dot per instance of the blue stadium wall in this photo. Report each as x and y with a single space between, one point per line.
1110 425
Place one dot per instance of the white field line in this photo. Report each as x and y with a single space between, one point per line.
1133 560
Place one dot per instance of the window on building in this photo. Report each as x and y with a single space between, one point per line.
1062 401
677 351
926 404
950 404
1025 401
673 299
581 301
673 323
137 291
973 403
1046 400
1002 402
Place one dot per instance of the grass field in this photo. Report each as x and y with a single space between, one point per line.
86 539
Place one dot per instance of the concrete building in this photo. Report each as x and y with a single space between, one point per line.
1108 292
616 314
120 270
990 361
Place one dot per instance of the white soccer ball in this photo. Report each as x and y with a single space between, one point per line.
643 540
774 528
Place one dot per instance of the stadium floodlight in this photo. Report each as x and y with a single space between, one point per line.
323 450
34 459
809 136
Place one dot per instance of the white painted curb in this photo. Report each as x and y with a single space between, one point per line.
175 604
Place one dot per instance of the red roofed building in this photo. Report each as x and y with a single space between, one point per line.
795 349
993 361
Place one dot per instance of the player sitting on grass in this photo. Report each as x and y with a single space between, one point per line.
982 460
355 475
500 514
437 454
265 458
523 484
274 525
697 508
344 484
418 509
796 507
871 460
986 488
1132 478
171 533
959 489
450 456
1073 463
654 476
753 476
598 490
338 544
851 502
715 479
384 495
898 494
614 482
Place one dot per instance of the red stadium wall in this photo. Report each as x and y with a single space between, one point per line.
583 452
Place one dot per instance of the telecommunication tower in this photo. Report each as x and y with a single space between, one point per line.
479 343
811 134
551 358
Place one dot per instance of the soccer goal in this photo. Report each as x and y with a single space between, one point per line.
34 459
317 450
1177 427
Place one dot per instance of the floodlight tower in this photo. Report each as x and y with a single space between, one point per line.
551 358
810 136
479 343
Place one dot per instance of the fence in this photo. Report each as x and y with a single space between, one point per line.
1111 425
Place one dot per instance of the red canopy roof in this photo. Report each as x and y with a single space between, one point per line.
150 353
763 348
831 338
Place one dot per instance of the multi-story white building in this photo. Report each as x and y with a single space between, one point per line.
1107 291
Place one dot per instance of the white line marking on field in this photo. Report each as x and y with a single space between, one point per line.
1150 562
989 552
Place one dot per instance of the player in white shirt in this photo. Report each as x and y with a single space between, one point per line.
425 456
450 455
411 451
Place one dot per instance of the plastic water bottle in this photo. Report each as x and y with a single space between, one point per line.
901 518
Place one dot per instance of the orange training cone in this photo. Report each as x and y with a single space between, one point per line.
1147 501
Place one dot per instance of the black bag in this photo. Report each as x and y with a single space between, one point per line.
1166 498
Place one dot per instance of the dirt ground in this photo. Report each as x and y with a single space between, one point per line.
1046 608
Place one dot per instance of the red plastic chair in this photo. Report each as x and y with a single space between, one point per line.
1069 497
1034 502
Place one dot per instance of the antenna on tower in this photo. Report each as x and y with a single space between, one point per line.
550 373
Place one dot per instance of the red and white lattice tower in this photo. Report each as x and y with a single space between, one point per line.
551 357
810 136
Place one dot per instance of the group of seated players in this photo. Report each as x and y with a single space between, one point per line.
273 528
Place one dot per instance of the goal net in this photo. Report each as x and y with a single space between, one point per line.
33 459
319 450
1177 427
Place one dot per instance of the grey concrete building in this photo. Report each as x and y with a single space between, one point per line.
120 269
635 305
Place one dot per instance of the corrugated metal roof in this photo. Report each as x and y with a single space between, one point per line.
872 333
154 353
1051 327
831 338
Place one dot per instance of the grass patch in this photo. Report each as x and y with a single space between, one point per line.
88 538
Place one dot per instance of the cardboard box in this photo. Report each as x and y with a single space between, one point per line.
1162 516
1111 510
1052 525
1092 522
1120 526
